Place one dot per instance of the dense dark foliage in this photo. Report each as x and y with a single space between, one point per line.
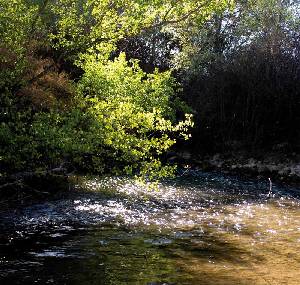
243 78
248 101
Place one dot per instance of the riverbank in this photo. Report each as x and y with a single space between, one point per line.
279 167
24 188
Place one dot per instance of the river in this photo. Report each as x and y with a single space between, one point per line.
200 228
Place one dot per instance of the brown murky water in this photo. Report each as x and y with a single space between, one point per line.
202 228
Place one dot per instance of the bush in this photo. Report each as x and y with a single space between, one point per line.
122 121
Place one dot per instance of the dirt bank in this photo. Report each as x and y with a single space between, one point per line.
277 166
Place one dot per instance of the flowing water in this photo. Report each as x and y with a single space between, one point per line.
201 228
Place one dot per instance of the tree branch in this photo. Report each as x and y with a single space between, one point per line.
166 22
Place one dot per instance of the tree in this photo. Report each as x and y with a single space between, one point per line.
117 113
239 74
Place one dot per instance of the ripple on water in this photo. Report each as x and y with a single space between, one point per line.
203 223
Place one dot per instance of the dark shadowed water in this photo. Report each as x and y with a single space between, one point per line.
201 228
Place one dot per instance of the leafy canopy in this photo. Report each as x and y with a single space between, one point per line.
121 118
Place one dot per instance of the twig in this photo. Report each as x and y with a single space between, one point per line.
270 188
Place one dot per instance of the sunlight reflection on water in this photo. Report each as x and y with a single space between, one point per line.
208 225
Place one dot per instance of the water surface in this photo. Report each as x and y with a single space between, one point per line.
201 228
